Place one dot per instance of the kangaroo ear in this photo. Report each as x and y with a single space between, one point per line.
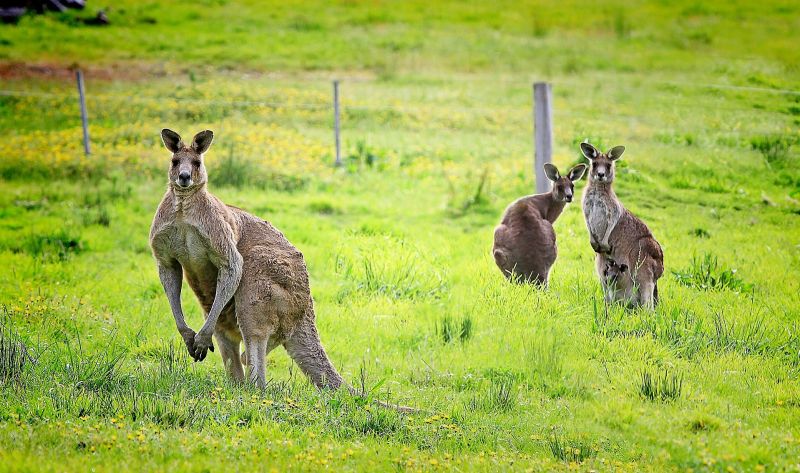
576 172
171 140
589 151
202 141
615 152
551 172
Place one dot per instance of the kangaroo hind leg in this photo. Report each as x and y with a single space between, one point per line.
646 288
229 350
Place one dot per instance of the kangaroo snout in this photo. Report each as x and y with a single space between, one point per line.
184 179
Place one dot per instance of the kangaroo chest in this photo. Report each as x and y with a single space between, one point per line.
192 250
601 212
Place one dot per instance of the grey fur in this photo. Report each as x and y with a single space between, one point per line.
618 284
615 233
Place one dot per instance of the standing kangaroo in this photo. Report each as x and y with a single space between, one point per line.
525 242
251 282
615 233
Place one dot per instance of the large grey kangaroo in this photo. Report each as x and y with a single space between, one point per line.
615 233
251 282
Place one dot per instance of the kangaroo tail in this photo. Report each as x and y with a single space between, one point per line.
655 294
305 348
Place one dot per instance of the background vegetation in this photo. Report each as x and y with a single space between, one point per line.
437 139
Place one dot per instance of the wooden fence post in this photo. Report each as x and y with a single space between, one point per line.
336 130
543 133
84 114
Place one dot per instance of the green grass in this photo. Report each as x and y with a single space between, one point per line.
436 126
705 273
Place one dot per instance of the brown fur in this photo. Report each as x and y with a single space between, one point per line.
525 242
215 244
615 233
251 282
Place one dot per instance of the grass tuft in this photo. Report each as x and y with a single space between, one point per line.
570 449
775 148
466 196
50 247
98 372
664 387
499 396
365 156
707 274
14 356
391 269
449 330
750 337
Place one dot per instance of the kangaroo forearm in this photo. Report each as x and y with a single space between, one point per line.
607 235
612 224
171 278
227 282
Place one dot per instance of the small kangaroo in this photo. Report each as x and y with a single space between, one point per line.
615 233
525 242
617 282
251 282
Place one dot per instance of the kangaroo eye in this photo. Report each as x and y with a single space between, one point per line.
175 162
196 163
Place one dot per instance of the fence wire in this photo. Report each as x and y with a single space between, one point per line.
519 112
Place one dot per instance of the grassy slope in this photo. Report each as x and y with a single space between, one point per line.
540 368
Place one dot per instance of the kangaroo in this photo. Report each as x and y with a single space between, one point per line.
615 233
617 282
251 282
525 242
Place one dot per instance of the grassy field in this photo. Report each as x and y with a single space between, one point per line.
411 308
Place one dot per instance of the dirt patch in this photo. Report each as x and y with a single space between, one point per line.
111 72
141 71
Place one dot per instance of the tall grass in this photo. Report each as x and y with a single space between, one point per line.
57 246
395 270
662 385
14 356
569 449
706 273
449 330
776 149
